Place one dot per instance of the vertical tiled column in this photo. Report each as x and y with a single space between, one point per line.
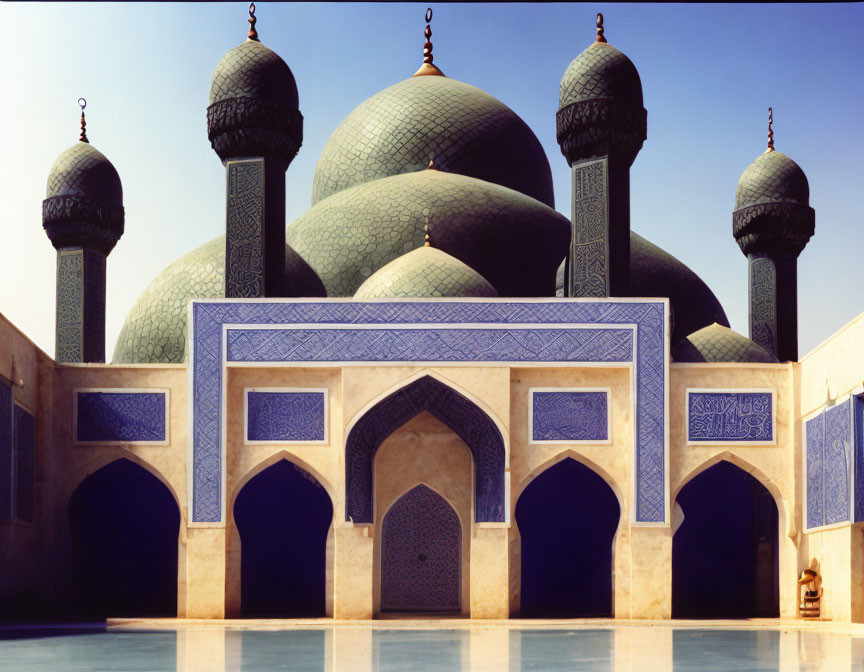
80 325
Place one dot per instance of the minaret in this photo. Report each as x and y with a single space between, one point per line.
255 126
83 217
601 126
772 223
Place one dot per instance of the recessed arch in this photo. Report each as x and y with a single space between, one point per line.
725 551
283 516
464 417
273 459
568 517
124 525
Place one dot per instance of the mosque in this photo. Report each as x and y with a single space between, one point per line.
431 393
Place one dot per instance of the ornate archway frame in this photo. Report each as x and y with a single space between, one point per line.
632 333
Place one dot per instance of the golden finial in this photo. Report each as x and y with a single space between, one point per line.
600 36
770 130
82 103
253 34
426 231
428 68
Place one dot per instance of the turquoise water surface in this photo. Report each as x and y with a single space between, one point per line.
476 648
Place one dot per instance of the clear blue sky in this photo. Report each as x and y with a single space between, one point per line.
709 73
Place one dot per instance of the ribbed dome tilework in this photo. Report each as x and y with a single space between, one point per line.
464 129
155 328
716 343
252 70
601 71
426 272
82 170
513 241
772 178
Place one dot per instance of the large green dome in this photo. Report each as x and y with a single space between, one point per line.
155 328
462 128
425 272
512 240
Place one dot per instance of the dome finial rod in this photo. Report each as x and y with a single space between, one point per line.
600 36
427 47
426 232
770 130
253 34
82 103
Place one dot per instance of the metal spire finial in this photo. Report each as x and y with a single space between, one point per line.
600 36
253 34
82 103
428 68
426 232
770 130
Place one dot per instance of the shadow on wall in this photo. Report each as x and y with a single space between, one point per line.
725 561
125 526
567 518
283 515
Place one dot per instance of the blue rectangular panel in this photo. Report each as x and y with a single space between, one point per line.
6 464
836 453
858 448
815 430
569 416
121 416
730 416
25 464
285 416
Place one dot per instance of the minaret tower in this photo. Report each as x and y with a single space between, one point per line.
255 126
83 217
601 126
772 223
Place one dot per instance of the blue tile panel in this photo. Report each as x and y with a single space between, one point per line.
569 416
430 345
730 416
25 464
7 470
829 456
121 416
285 416
455 410
858 432
562 315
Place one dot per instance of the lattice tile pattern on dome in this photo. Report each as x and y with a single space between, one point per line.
719 344
772 178
601 71
83 170
251 70
462 128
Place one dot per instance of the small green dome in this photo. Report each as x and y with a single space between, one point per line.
772 178
512 240
155 328
82 170
716 343
252 70
601 71
462 128
425 272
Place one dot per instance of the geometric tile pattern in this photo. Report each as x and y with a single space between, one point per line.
763 303
25 464
421 554
245 229
286 416
716 343
649 379
464 129
601 71
253 70
829 459
858 461
121 416
82 170
70 306
730 416
569 416
7 466
589 253
772 178
465 418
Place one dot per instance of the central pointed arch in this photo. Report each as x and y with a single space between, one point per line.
463 416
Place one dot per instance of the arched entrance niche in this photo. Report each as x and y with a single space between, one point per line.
567 518
725 559
283 515
124 524
421 555
455 410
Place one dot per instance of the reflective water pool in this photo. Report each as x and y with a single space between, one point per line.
475 648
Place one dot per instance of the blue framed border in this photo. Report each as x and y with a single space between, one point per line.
503 332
